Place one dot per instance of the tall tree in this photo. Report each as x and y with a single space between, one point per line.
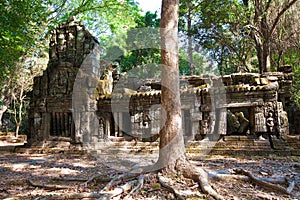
171 137
267 15
217 28
187 17
241 35
22 25
172 155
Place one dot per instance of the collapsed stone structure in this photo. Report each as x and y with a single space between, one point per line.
50 111
64 103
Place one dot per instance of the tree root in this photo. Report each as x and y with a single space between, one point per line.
129 185
76 196
70 179
139 185
119 179
49 186
267 185
117 191
198 175
291 187
162 181
218 177
102 179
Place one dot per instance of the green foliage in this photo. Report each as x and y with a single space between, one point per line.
141 48
24 31
238 34
19 32
221 31
198 61
294 60
296 93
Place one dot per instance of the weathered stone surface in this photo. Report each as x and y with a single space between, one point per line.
212 106
51 104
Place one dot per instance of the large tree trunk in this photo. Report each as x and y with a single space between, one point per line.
171 145
172 155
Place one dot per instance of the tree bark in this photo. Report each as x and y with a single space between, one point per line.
3 109
262 36
172 157
171 146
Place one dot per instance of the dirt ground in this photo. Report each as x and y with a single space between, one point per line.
27 176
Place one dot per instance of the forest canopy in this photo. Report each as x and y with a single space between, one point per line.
233 35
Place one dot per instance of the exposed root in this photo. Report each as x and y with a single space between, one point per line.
70 179
117 191
100 179
138 187
198 175
162 181
266 184
76 196
291 187
49 186
127 185
119 179
218 177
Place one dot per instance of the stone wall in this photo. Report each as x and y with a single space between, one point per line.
50 111
212 106
248 101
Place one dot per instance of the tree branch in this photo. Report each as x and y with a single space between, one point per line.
280 14
268 5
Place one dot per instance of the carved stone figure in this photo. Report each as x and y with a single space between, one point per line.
233 123
105 86
59 82
260 121
270 127
244 123
270 123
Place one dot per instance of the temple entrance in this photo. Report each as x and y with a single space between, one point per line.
62 124
240 121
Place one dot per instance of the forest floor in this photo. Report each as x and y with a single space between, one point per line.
49 176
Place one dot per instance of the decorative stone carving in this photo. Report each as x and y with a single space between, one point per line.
51 103
207 99
260 120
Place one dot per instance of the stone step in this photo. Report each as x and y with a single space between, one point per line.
49 150
230 145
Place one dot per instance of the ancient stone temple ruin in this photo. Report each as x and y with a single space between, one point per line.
50 111
71 101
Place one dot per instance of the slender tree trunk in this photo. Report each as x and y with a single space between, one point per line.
18 110
171 146
190 44
3 109
262 41
266 67
280 53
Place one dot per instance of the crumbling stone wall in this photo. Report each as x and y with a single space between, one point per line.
50 111
248 101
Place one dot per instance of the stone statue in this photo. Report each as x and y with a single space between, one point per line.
105 85
270 128
270 123
244 122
